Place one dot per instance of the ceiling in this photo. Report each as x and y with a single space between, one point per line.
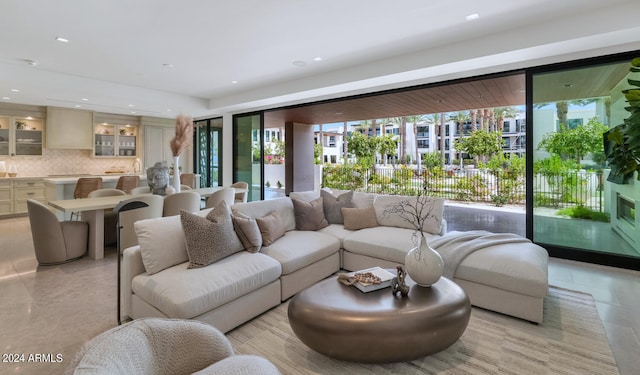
160 57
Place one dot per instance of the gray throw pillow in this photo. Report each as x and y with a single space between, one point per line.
209 239
309 215
333 205
271 227
248 231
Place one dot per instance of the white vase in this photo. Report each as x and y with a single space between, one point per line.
176 174
424 265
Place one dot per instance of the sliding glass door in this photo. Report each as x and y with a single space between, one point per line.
208 151
247 153
573 209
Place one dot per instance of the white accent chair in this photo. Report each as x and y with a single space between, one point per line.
224 194
184 200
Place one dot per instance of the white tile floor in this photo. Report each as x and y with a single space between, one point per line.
54 310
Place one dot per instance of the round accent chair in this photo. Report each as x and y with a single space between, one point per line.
152 346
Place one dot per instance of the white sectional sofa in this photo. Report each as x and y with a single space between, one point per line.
507 278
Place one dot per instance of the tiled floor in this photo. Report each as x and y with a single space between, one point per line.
54 310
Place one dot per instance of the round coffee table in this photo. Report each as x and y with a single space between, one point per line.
342 322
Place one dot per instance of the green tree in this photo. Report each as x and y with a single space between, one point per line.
481 144
362 147
317 153
501 113
575 143
386 145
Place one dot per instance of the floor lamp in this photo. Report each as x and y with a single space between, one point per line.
130 204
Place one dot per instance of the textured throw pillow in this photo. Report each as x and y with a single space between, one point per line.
309 215
332 205
359 218
271 228
248 231
209 239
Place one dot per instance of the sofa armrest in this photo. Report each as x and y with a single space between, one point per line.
131 267
443 227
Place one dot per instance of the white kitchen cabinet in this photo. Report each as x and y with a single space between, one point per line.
21 136
69 128
156 147
6 197
27 189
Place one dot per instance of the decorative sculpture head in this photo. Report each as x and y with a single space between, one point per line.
158 178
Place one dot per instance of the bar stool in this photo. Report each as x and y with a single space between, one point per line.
84 186
126 183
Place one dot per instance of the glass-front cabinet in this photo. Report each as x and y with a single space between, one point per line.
116 140
21 136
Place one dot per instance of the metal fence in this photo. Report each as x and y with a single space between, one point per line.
471 185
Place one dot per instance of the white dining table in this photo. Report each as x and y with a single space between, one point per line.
93 213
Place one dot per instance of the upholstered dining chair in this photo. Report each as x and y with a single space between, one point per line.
154 208
188 179
154 346
56 242
241 197
185 187
140 190
110 218
184 200
84 186
224 194
126 183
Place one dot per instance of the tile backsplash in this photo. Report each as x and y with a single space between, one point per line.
57 162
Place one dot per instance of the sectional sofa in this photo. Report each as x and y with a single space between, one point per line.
288 244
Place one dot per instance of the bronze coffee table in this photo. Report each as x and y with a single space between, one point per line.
342 322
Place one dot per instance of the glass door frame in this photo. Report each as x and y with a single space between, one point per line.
236 177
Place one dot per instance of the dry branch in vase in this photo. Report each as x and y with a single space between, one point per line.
184 135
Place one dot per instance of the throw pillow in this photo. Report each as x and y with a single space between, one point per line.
209 239
248 231
332 205
271 228
359 218
309 215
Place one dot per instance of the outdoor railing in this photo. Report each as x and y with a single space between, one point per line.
471 185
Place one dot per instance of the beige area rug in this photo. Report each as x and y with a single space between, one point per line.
571 340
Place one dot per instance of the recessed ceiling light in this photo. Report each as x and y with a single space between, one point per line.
169 110
234 82
85 99
62 40
131 105
472 17
78 106
299 63
30 62
168 65
317 59
29 118
15 90
133 112
6 98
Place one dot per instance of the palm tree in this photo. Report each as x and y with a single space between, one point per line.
402 124
473 114
345 133
443 134
502 113
460 118
415 120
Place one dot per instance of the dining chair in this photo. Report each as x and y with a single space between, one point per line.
241 197
126 183
185 187
110 218
140 190
84 186
154 208
184 200
55 241
188 179
225 194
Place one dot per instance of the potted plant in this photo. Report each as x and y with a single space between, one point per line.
622 143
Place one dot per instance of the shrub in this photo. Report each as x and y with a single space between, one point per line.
582 212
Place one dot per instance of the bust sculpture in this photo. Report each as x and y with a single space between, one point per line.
158 178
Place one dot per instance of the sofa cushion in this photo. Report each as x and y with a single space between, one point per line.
359 218
389 243
183 294
309 215
337 231
257 209
298 249
333 205
271 227
387 207
209 239
306 196
248 231
360 199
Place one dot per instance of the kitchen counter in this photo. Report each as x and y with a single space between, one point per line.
59 179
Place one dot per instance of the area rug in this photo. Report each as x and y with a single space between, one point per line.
571 340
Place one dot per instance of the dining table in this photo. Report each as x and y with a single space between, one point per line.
92 210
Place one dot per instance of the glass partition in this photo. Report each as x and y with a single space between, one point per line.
247 153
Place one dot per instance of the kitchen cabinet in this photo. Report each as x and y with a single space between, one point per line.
27 189
156 147
116 140
6 197
69 128
21 136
